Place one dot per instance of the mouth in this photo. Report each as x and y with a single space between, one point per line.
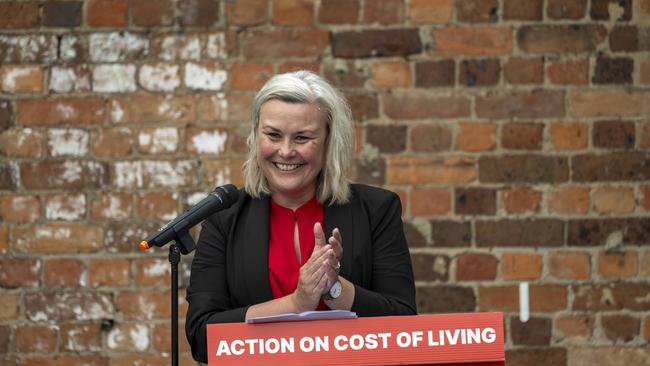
287 167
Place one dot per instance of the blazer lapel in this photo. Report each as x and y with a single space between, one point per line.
340 216
256 252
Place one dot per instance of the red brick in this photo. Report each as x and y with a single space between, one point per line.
156 206
600 10
246 12
20 208
4 238
534 104
563 9
391 74
522 136
517 169
376 43
521 199
430 201
521 70
556 356
64 360
109 272
477 10
616 200
613 134
596 232
520 233
112 142
560 39
21 143
21 79
621 327
445 299
645 200
387 138
364 106
429 138
624 39
520 266
644 71
64 273
383 12
149 13
152 272
36 338
5 338
63 174
81 337
418 170
251 76
58 238
476 267
472 41
18 273
483 72
548 298
201 13
630 166
339 11
346 73
62 13
283 43
111 206
430 267
569 72
569 200
62 306
107 13
613 70
9 305
608 102
144 109
143 305
498 298
124 236
161 341
431 11
533 332
523 9
476 136
57 111
644 141
611 296
569 265
435 73
292 12
618 265
475 201
569 135
646 327
290 66
16 15
420 106
574 326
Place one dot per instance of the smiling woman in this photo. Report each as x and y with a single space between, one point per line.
301 236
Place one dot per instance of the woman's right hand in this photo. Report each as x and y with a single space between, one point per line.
316 274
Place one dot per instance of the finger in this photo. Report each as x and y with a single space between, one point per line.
319 235
336 245
336 233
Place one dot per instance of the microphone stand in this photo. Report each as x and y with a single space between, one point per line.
183 244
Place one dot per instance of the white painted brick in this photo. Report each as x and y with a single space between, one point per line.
68 47
11 75
117 46
114 78
68 207
160 77
67 142
169 174
28 48
65 79
205 76
216 46
158 140
176 47
210 142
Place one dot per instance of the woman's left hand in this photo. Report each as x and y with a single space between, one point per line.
336 242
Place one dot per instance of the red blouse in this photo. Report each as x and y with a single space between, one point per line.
283 263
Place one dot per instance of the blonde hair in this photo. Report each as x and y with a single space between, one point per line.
307 87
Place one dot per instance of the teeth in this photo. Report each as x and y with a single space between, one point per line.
287 167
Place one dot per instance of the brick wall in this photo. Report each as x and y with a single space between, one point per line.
515 131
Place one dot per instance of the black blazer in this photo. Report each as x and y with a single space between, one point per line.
230 266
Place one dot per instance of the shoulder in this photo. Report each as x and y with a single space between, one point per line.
372 197
226 216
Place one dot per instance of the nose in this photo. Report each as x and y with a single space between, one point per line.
286 148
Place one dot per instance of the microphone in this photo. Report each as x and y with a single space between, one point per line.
220 199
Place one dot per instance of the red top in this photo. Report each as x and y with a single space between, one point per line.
283 263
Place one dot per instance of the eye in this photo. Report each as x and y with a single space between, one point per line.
272 135
301 138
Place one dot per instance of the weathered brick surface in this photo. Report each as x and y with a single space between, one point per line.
515 133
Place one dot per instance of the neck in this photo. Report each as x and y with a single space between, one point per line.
293 201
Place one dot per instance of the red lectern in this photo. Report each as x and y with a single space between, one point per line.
446 339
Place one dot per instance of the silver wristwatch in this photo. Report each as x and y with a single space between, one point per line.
334 292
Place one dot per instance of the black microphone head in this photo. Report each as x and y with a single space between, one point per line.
228 194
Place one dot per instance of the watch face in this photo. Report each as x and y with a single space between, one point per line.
335 291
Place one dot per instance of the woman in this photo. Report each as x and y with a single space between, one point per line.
300 237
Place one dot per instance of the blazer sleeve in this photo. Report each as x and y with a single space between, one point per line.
208 294
392 289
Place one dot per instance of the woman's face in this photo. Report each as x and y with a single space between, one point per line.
291 148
